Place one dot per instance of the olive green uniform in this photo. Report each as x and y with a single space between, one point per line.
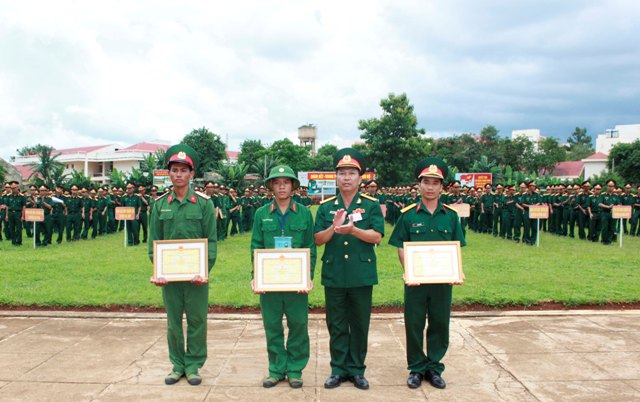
432 301
74 218
191 218
297 223
58 219
15 206
530 225
635 217
43 229
608 224
348 275
133 228
90 220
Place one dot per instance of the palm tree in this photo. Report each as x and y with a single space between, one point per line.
264 165
46 165
79 179
161 158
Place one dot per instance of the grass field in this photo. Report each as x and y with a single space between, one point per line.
102 272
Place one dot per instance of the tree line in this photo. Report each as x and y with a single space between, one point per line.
388 142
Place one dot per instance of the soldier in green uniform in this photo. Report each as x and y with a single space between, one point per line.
284 218
132 200
3 211
234 213
518 221
635 216
528 200
508 213
143 217
606 203
582 205
348 267
246 202
498 207
58 214
486 208
31 196
427 220
595 222
183 214
43 229
89 207
16 203
74 214
102 208
626 199
112 223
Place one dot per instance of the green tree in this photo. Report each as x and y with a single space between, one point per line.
549 154
459 151
209 147
262 166
3 173
323 160
579 145
161 158
295 156
251 150
46 165
79 179
624 160
388 139
117 178
518 153
233 174
32 149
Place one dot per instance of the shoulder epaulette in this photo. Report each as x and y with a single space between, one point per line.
162 196
203 195
368 197
328 199
407 208
451 208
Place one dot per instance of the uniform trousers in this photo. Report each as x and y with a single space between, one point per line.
422 304
290 359
133 237
74 224
517 225
43 231
595 225
348 312
57 226
608 226
15 227
143 227
186 298
583 224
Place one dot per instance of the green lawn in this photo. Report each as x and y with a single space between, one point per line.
499 273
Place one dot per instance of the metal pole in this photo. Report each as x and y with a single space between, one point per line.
620 232
34 235
125 234
538 232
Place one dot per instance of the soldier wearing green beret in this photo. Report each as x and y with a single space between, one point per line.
350 224
184 214
284 218
16 204
427 220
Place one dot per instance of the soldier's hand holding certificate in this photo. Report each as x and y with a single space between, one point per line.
432 262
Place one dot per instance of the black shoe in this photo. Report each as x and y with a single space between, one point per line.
359 381
334 381
434 379
414 380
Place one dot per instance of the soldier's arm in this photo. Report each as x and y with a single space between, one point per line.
210 232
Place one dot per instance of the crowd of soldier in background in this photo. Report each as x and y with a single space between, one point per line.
80 213
503 211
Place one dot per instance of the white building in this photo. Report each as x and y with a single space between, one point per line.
532 134
624 133
594 165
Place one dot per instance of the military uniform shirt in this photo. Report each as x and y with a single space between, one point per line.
418 224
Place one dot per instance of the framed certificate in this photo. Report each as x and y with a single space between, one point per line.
180 260
282 270
463 210
432 262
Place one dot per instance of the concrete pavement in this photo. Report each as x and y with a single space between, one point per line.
512 356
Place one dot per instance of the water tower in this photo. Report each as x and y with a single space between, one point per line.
307 135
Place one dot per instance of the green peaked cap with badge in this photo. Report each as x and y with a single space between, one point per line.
431 167
349 157
182 153
282 171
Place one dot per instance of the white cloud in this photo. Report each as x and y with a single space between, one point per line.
82 73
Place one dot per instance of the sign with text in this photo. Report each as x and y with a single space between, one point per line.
125 213
621 212
474 179
34 215
538 212
316 181
463 210
161 178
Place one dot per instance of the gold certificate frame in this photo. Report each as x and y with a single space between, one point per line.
432 262
180 260
282 270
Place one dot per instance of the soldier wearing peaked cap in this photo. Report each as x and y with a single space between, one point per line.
350 224
43 229
130 199
606 202
279 220
626 199
183 214
595 213
427 220
16 204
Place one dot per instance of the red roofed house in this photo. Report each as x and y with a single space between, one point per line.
569 170
595 164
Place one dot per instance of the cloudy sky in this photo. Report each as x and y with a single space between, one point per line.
85 73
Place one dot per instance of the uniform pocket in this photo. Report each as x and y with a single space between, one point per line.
444 232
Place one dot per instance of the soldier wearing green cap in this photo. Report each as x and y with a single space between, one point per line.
130 199
528 200
291 223
16 204
606 203
350 224
427 220
43 229
184 214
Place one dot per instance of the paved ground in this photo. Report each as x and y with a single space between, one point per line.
552 356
